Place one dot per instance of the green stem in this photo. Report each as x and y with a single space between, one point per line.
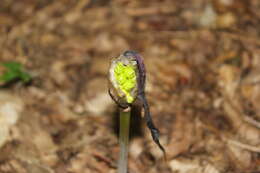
124 139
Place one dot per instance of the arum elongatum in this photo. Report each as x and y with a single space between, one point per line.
127 78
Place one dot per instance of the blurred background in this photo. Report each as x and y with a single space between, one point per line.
203 85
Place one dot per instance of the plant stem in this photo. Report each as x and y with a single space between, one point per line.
124 139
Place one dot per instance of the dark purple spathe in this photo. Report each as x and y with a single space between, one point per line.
141 69
141 96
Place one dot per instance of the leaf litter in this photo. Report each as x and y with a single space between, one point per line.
202 85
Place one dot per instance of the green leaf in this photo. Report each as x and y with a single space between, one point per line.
12 66
14 71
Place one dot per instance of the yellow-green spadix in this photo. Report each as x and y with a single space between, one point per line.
123 77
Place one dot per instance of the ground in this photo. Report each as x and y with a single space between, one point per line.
202 59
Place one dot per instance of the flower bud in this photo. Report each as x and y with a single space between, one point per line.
123 74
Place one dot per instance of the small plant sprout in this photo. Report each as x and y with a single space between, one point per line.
13 71
127 83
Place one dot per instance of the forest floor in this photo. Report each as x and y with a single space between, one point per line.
203 85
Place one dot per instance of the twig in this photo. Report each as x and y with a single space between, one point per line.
244 146
252 121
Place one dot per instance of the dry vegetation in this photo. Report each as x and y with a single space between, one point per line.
203 65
